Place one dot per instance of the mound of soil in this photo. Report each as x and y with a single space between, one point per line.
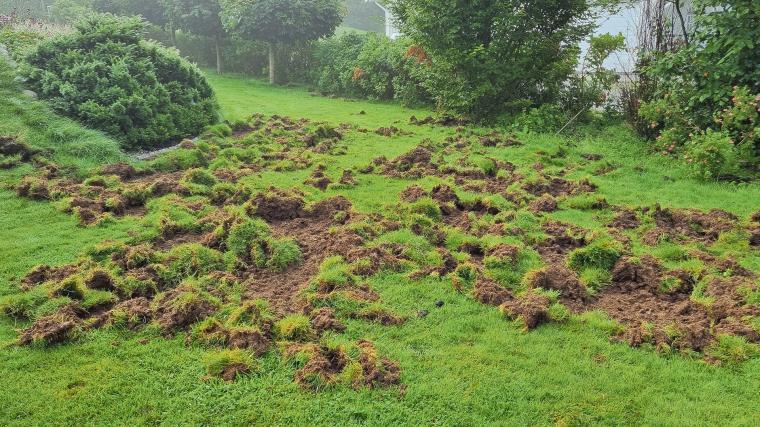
559 187
122 170
411 164
323 319
690 223
136 310
176 312
53 329
33 189
412 193
249 339
230 372
489 292
530 308
448 121
326 209
562 238
625 219
324 363
377 372
387 131
10 146
560 278
347 178
318 179
545 203
277 205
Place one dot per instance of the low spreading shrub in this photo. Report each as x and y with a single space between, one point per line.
108 77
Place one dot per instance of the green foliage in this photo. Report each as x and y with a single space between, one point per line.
108 77
591 86
281 22
367 66
487 57
711 154
712 82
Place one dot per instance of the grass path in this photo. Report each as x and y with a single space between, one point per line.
462 365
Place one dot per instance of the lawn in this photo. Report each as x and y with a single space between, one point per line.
462 364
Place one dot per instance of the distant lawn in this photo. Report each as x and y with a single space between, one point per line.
463 364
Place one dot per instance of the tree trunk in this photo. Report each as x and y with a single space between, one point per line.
272 65
218 55
677 4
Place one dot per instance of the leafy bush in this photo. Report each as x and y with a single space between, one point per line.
712 82
108 77
486 58
368 66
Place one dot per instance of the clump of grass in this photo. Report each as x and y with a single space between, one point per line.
191 260
221 130
282 254
731 350
23 305
335 273
198 181
71 287
601 254
179 160
464 276
246 237
295 327
427 207
228 364
595 278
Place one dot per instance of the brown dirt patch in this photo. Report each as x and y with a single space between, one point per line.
545 203
122 170
489 292
559 187
277 205
625 219
172 313
560 278
324 363
323 319
691 224
53 329
377 372
530 308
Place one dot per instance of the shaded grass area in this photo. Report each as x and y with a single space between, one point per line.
463 364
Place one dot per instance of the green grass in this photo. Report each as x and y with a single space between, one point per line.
463 364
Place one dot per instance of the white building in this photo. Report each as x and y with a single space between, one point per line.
391 30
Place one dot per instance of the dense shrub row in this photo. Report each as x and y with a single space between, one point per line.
107 76
704 105
368 65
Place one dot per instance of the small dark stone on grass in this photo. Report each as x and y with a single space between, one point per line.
439 303
422 313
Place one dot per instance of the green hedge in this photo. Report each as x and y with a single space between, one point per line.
107 76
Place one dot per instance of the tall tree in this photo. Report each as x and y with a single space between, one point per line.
491 56
281 22
202 17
